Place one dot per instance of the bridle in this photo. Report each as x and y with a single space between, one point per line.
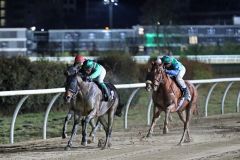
71 87
158 76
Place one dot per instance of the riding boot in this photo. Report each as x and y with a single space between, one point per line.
186 94
105 92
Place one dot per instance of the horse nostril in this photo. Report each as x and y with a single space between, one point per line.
68 98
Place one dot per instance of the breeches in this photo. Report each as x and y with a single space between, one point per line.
102 75
179 77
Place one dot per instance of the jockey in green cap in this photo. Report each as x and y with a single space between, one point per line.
96 72
175 69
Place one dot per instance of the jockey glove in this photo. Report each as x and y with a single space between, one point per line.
172 72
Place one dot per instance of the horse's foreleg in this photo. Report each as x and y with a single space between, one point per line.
166 120
67 118
84 126
156 116
85 122
74 131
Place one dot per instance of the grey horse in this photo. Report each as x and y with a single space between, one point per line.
89 104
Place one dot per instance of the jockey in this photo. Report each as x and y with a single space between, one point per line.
174 68
97 73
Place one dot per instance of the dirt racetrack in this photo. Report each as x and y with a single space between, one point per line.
214 138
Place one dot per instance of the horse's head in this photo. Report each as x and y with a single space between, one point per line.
71 85
154 76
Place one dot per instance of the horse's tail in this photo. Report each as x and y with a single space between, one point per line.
120 106
194 100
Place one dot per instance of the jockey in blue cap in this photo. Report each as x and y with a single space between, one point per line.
175 69
96 72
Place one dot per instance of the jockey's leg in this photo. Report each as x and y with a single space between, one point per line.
102 85
105 91
182 84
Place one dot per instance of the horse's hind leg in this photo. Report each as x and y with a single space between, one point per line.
186 128
74 131
105 127
67 118
180 114
156 116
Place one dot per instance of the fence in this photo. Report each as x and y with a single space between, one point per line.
137 86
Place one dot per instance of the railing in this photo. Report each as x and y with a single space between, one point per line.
137 86
211 59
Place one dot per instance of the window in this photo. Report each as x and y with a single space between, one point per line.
2 13
122 35
91 36
211 31
2 4
107 35
192 30
229 31
2 23
193 40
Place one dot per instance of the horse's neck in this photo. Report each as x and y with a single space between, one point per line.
167 82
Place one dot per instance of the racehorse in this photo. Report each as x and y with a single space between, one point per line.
166 97
90 104
72 70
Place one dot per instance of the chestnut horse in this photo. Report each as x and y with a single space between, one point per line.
166 97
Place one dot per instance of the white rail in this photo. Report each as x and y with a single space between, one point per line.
211 59
137 86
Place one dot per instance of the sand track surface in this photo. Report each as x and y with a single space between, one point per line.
216 137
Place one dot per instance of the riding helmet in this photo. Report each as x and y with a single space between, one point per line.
166 59
88 64
79 59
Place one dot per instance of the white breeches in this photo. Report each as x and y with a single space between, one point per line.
179 77
102 75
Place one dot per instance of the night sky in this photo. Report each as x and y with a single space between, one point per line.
127 14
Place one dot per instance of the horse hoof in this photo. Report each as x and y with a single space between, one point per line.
101 143
188 140
84 143
89 141
148 135
67 148
165 131
64 136
179 144
93 139
109 145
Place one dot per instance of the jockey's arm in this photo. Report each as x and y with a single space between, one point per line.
174 69
172 72
97 72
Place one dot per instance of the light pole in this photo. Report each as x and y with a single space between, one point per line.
110 4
